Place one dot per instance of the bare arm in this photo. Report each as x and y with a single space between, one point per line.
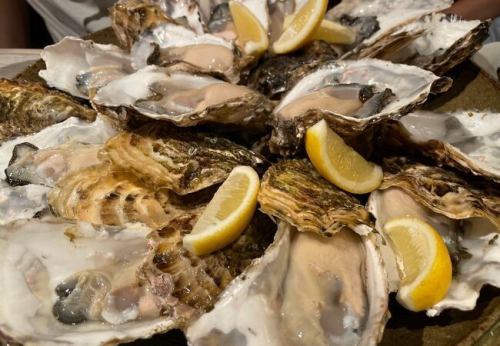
13 24
475 9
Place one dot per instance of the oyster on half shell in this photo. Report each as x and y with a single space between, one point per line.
466 140
350 96
293 191
185 99
304 290
183 162
27 107
466 216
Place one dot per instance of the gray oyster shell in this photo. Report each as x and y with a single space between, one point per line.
181 161
294 192
27 107
22 202
466 140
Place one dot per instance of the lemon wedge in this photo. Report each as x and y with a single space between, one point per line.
339 163
251 35
328 31
302 26
425 263
227 214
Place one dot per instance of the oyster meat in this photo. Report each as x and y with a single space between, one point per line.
466 216
183 162
350 96
466 140
72 130
27 108
303 291
80 67
185 99
293 191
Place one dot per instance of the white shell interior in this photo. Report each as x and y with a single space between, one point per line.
22 202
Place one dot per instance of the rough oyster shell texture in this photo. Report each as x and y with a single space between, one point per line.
26 108
294 192
182 162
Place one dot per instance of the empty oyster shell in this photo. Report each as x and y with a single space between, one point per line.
305 290
105 196
27 107
72 130
80 67
466 216
435 42
185 99
466 140
293 191
350 96
184 161
75 284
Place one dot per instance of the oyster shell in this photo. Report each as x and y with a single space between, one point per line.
466 216
293 191
185 99
435 42
170 44
75 284
351 96
80 67
184 161
104 195
22 202
29 165
27 107
465 140
303 291
72 130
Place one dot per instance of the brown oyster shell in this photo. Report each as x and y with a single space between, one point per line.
27 107
181 161
443 191
294 192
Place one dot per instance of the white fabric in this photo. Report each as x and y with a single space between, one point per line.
73 17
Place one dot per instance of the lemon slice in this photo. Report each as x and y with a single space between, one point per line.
251 35
425 263
227 214
328 31
302 27
339 163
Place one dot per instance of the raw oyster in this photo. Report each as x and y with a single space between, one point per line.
350 96
305 290
466 140
466 216
104 195
27 107
22 202
170 44
184 161
29 165
80 67
276 75
185 99
75 284
293 191
435 42
72 130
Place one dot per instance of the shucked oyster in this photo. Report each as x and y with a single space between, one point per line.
26 108
435 42
80 67
305 290
469 141
350 96
293 191
180 161
185 99
466 216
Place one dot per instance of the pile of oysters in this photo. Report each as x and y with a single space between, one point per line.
108 165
